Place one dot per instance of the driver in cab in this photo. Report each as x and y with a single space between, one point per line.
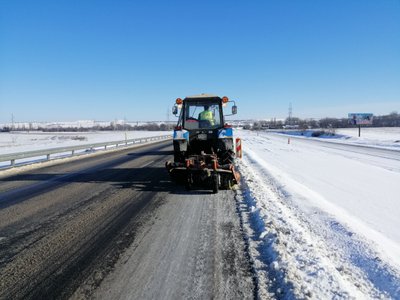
207 116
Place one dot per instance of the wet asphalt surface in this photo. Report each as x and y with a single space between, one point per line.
114 226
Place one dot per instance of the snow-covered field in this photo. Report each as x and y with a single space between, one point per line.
388 138
28 141
323 218
382 137
368 133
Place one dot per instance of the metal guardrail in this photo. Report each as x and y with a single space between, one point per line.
13 157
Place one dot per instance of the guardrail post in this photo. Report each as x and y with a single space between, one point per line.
105 147
72 152
48 157
12 162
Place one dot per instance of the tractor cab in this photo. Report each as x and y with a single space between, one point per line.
201 114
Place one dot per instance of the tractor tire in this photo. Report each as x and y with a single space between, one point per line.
188 183
215 183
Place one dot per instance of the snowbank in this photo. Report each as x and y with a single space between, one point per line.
322 219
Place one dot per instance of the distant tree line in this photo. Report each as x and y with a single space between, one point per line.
390 120
111 127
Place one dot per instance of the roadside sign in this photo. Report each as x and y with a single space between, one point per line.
361 118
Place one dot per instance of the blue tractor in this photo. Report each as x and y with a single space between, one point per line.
203 143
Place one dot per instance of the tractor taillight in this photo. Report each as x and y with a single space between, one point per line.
187 163
178 127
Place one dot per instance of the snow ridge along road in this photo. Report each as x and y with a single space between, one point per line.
113 226
322 222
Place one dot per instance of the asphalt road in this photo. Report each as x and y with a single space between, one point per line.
113 226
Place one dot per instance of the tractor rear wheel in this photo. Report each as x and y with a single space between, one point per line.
215 183
188 183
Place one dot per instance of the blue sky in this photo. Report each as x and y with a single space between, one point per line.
74 60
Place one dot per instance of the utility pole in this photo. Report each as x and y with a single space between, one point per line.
12 121
167 125
126 136
168 114
290 113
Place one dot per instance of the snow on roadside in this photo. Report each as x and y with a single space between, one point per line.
291 263
381 137
305 252
373 133
388 138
